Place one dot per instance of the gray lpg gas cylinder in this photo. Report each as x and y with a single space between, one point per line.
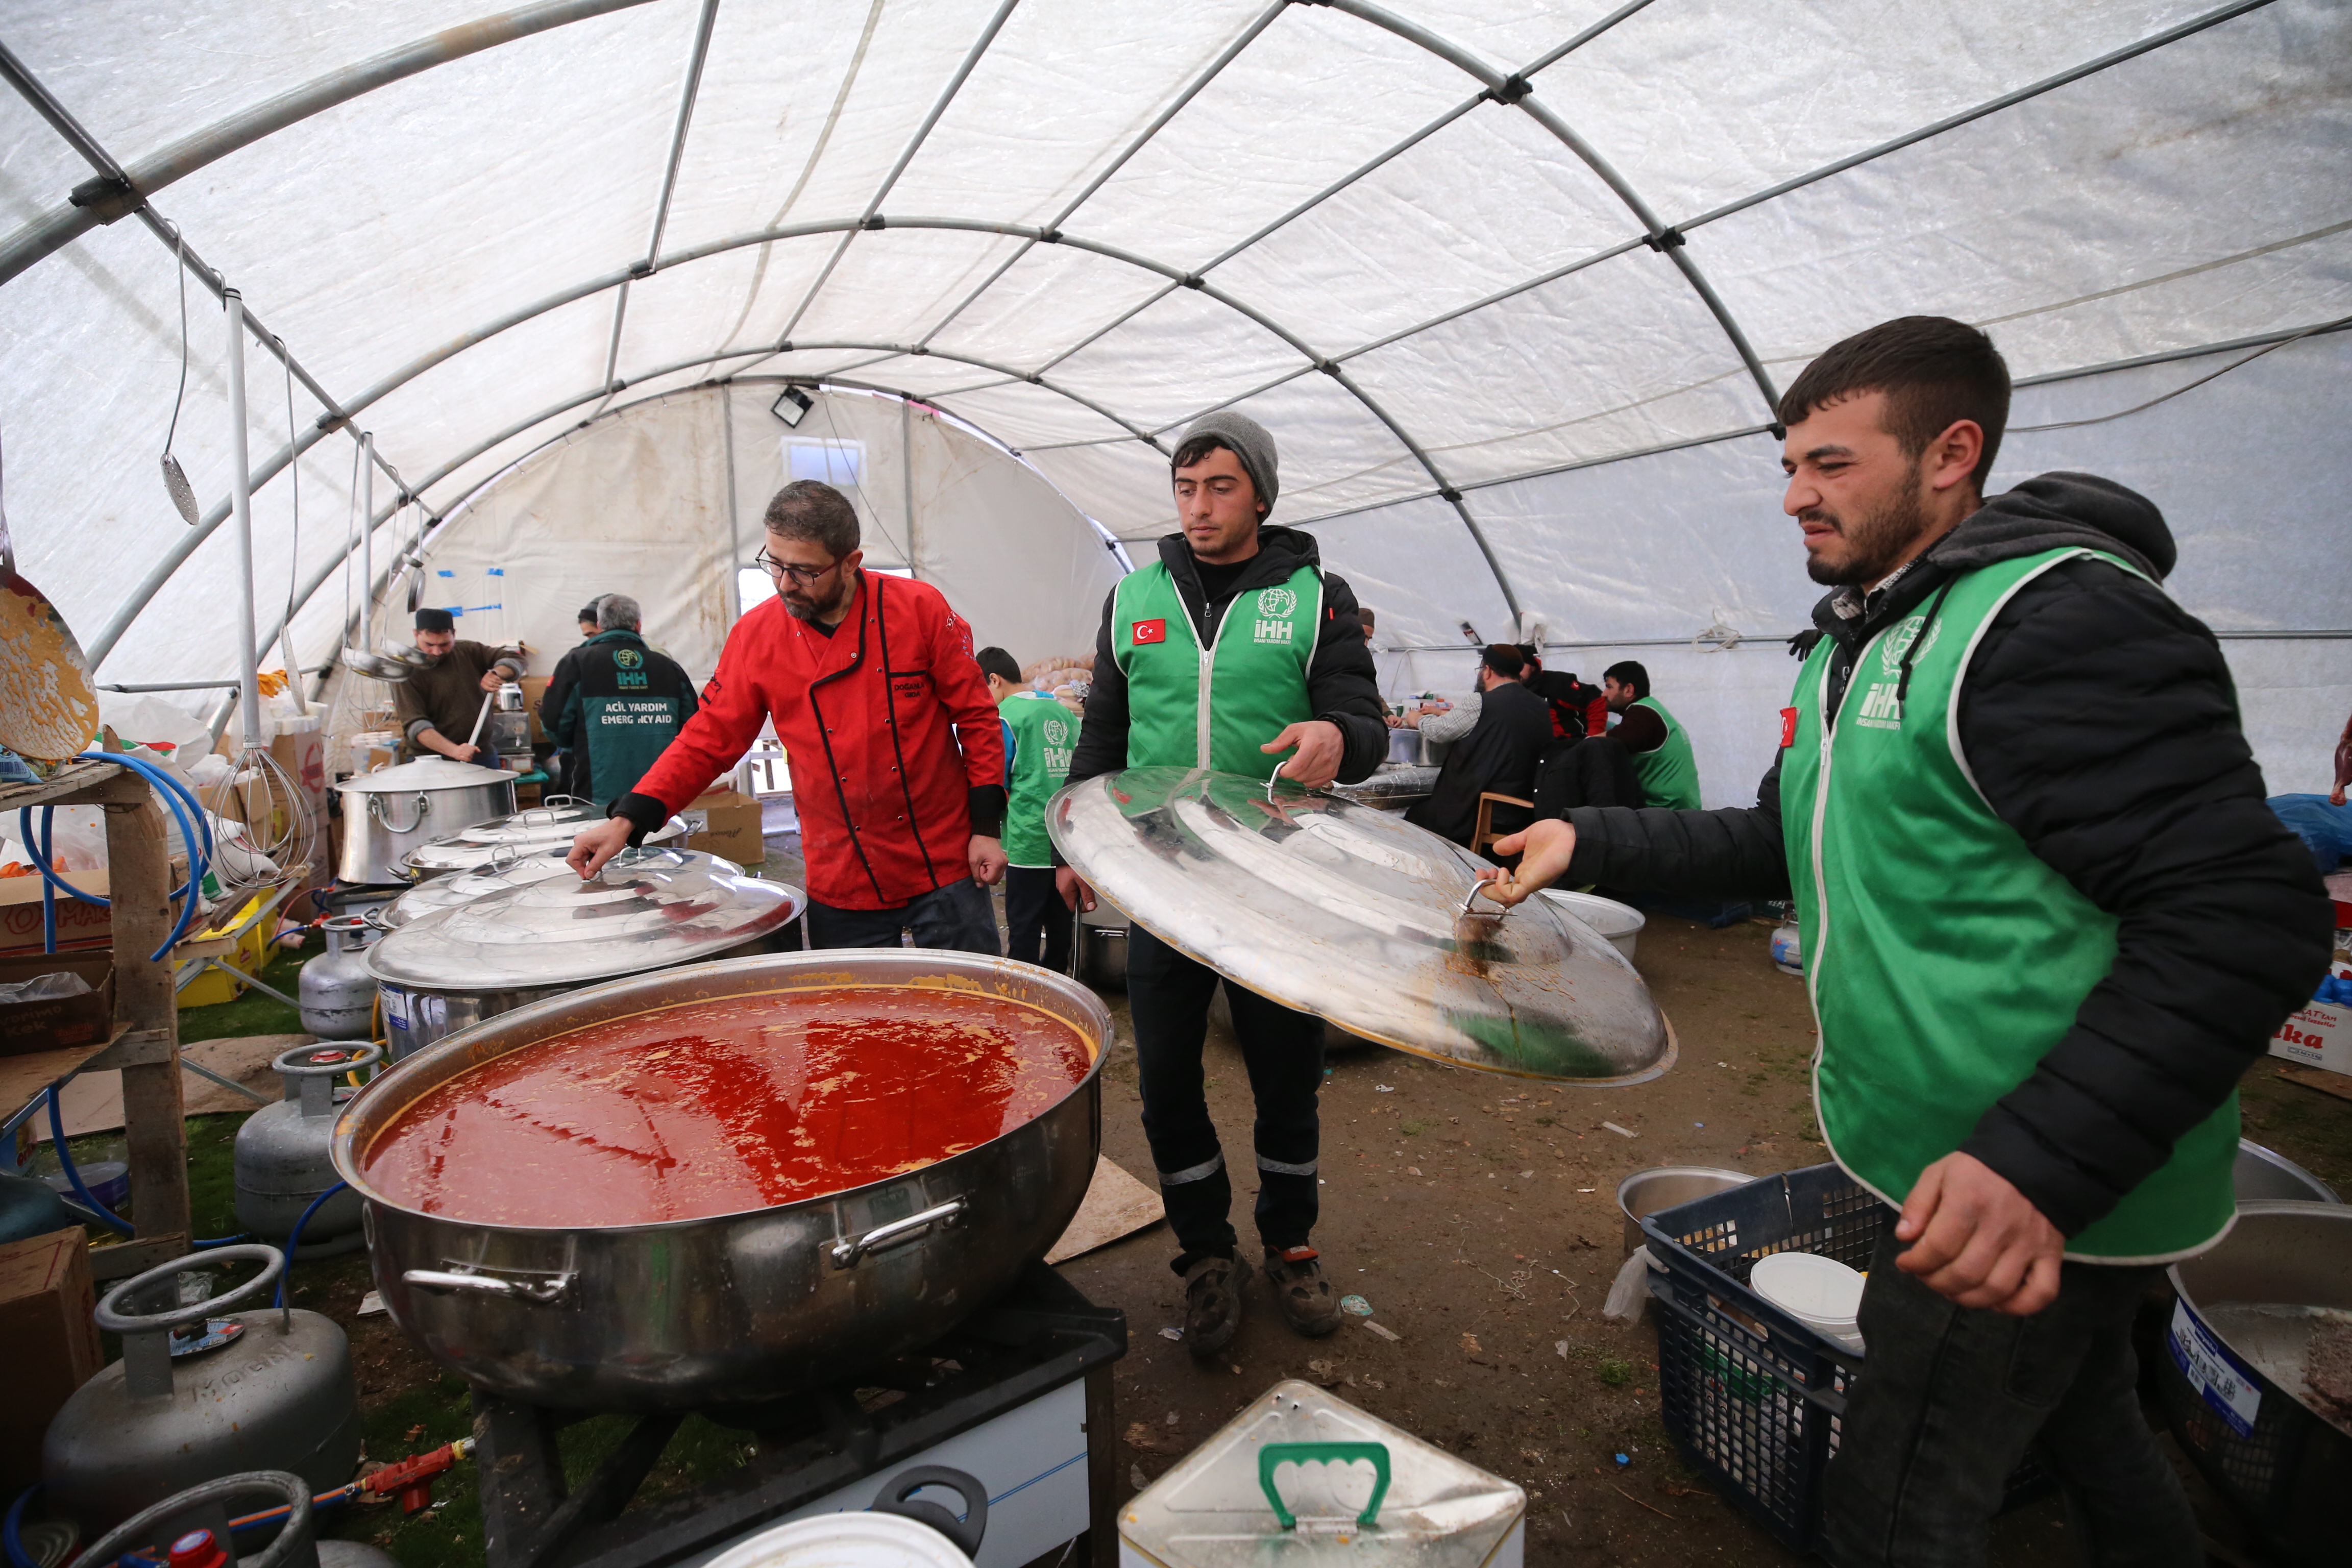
336 992
273 1393
284 1158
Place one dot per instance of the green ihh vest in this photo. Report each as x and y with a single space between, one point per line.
1945 959
1214 707
1669 775
1044 737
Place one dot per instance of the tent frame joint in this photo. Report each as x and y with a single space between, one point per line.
1665 239
1512 88
109 198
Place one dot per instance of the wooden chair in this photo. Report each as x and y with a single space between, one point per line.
1484 833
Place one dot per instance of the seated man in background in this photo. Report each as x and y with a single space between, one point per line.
1497 753
439 705
1041 735
621 705
1661 751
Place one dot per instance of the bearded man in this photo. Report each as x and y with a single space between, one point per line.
439 704
896 750
2047 922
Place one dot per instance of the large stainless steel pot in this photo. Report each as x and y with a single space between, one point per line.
648 909
744 1307
393 810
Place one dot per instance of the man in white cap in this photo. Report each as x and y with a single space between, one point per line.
1290 688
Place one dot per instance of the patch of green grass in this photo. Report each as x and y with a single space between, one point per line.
1546 1122
253 1012
1616 1373
1412 1129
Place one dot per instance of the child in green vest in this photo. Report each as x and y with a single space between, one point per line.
1040 737
2047 922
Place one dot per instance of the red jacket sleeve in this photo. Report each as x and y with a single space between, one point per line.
722 728
964 690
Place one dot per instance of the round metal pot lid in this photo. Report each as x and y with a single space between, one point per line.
426 772
1345 911
645 910
481 846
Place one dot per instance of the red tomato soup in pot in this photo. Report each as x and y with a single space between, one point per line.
714 1108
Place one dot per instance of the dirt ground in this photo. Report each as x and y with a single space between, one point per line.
1476 1215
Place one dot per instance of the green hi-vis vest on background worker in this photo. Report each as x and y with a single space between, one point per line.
1944 958
1191 709
626 705
1669 775
1042 736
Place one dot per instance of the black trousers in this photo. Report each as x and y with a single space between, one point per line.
1168 997
1032 910
1952 1399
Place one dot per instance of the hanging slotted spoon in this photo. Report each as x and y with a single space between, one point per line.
175 478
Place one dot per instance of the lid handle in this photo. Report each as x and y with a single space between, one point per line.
1274 1454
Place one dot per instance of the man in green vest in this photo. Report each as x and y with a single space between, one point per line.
1660 750
621 706
1236 651
1040 737
2047 922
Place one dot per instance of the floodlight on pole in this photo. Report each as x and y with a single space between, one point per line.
791 405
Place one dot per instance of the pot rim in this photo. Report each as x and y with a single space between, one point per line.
341 1152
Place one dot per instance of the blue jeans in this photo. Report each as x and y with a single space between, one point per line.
956 918
1952 1399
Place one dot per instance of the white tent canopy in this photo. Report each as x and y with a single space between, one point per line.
1513 285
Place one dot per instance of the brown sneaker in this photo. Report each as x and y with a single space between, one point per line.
1212 1305
1302 1292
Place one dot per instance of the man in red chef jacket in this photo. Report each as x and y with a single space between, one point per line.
896 753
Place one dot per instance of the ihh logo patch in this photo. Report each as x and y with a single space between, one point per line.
1057 732
1276 601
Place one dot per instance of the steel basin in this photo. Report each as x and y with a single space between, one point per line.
742 1308
1666 1186
2267 1175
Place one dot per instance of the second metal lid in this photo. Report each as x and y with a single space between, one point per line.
646 909
1342 911
484 844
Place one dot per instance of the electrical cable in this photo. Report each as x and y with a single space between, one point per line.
294 1240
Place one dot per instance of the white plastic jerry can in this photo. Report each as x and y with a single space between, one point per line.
1300 1477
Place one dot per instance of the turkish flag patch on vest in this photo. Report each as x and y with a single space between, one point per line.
1788 727
1149 631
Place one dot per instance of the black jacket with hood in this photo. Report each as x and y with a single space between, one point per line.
1342 685
2101 723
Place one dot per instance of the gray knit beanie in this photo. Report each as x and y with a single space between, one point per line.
1250 441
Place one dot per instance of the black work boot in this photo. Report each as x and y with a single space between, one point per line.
1212 1305
1300 1289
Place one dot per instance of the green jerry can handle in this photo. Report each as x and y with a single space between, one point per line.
1274 1454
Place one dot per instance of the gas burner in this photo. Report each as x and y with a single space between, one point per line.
1018 1395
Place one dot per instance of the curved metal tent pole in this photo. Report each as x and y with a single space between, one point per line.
103 200
164 569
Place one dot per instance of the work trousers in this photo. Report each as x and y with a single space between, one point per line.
956 918
1951 1400
1168 998
1033 910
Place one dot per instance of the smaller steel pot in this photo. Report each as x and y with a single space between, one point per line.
393 810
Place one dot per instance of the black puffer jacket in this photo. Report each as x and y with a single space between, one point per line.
2101 723
1342 684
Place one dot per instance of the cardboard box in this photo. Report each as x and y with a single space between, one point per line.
726 823
2318 1035
48 1026
534 688
45 1302
81 928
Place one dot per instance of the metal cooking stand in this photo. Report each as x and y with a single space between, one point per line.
1041 1336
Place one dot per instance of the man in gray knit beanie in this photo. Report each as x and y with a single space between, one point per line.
1235 651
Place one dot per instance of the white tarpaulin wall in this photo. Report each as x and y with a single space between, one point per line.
1462 259
639 502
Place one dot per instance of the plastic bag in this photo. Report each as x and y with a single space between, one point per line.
1629 1294
76 840
44 988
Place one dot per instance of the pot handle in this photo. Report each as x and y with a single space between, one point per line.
896 1496
845 1253
382 813
444 1282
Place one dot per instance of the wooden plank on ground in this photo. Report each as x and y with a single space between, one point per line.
2335 1083
1115 1205
93 1102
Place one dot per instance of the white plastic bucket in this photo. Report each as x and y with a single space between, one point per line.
846 1541
1621 923
1820 1292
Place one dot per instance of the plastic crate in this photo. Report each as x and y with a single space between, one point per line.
1752 1397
